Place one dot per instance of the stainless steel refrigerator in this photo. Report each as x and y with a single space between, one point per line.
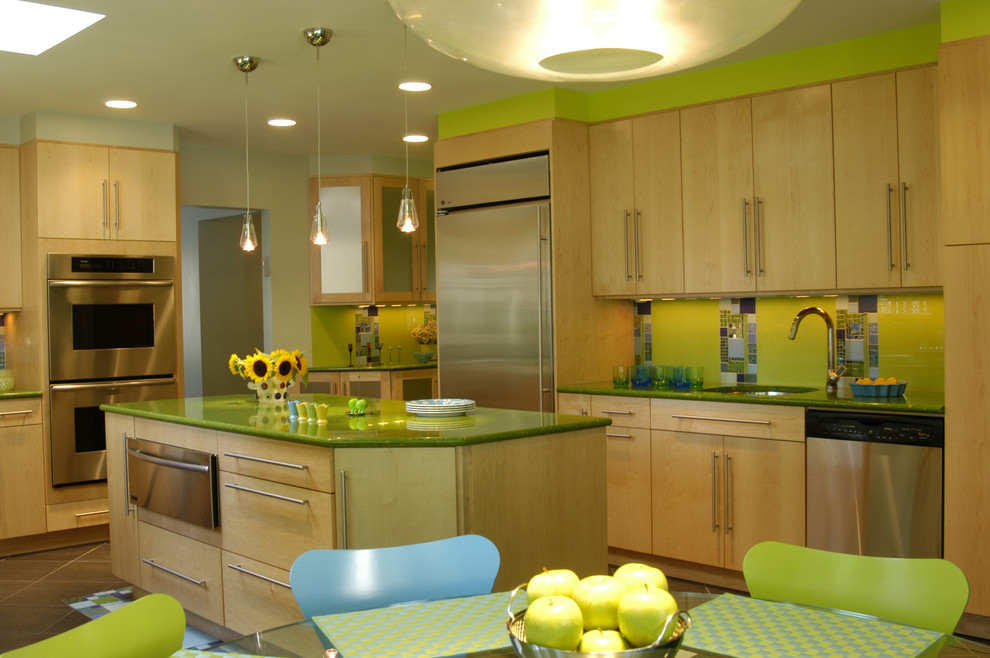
494 305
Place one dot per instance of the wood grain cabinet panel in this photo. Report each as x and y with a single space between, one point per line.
184 568
10 228
256 595
22 463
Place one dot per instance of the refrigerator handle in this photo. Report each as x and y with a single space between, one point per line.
545 332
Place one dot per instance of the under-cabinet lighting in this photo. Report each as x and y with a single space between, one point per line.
30 28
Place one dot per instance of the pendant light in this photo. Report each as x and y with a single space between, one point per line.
249 239
408 217
319 232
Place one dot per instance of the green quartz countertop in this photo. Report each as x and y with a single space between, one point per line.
921 402
387 368
19 393
384 424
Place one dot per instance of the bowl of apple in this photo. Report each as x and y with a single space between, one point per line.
629 614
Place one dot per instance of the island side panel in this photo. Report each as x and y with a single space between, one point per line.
541 500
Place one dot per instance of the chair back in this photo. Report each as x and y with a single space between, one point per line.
151 627
924 592
329 581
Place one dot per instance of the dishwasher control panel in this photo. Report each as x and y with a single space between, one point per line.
877 428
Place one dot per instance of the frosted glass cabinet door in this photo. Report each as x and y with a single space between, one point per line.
341 269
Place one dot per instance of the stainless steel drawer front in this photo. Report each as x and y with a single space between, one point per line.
176 482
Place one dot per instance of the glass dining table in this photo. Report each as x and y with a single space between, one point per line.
714 612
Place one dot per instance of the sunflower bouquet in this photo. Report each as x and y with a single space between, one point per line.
280 365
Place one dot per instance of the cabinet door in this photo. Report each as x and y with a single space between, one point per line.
918 160
717 174
143 195
658 239
792 175
392 496
427 239
765 494
324 382
574 404
341 270
629 492
184 568
74 191
687 496
10 227
397 254
612 218
867 232
22 475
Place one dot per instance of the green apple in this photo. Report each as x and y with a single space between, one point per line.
598 597
554 622
642 613
551 582
634 574
602 641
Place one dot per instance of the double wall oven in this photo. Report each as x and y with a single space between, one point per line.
111 338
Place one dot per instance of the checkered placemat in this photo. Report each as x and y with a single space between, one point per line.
431 628
752 628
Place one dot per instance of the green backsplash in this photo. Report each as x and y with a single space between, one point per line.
333 329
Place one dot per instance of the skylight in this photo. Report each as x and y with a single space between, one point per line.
30 28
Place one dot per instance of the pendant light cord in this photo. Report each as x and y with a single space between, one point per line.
405 94
319 150
247 160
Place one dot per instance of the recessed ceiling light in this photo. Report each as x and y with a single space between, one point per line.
121 104
415 138
415 85
30 28
281 123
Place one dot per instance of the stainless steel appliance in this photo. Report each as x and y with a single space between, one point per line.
111 338
177 482
874 483
494 303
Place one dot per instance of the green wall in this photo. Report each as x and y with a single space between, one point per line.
964 19
333 329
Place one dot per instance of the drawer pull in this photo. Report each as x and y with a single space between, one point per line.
618 436
267 494
20 412
261 460
201 583
611 411
102 511
239 568
724 420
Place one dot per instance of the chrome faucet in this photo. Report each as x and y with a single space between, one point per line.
832 378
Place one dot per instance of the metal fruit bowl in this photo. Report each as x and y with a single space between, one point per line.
517 636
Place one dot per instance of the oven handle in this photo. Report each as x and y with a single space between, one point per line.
99 283
168 463
119 384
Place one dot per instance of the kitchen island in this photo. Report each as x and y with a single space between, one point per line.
533 483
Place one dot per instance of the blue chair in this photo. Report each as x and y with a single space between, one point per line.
924 592
330 581
151 627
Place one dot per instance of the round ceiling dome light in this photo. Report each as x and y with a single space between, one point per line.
415 138
281 123
121 104
590 40
415 85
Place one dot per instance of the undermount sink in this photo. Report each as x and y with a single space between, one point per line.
758 389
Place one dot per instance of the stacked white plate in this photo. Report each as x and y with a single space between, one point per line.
440 407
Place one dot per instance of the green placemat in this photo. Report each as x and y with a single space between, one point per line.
431 628
749 628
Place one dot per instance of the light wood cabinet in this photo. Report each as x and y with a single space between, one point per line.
636 232
887 218
574 404
22 463
10 227
103 193
125 554
182 567
724 478
414 384
405 263
77 514
256 595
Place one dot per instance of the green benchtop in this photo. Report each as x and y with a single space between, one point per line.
16 393
921 402
384 424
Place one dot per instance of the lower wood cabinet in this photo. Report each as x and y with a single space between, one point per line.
256 595
182 567
22 463
413 384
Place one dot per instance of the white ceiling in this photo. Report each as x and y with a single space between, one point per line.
175 59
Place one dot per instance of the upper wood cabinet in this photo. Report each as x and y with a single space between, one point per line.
636 234
887 220
10 227
341 269
102 192
405 263
792 178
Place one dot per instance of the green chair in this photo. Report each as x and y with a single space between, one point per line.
151 627
924 592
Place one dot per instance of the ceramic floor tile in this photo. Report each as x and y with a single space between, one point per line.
26 570
10 587
15 640
49 592
76 571
30 618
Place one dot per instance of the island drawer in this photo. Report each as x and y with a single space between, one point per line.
273 522
297 464
184 568
17 412
627 412
256 595
760 421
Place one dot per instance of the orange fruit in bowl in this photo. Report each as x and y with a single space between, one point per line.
864 380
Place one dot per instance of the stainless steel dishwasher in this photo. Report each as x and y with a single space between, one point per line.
874 483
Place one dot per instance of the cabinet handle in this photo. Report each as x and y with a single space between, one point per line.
724 420
757 220
127 482
19 412
267 494
364 266
201 583
890 235
728 493
904 226
238 568
343 508
625 230
101 511
618 436
116 205
639 247
106 209
745 217
272 462
714 491
623 413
